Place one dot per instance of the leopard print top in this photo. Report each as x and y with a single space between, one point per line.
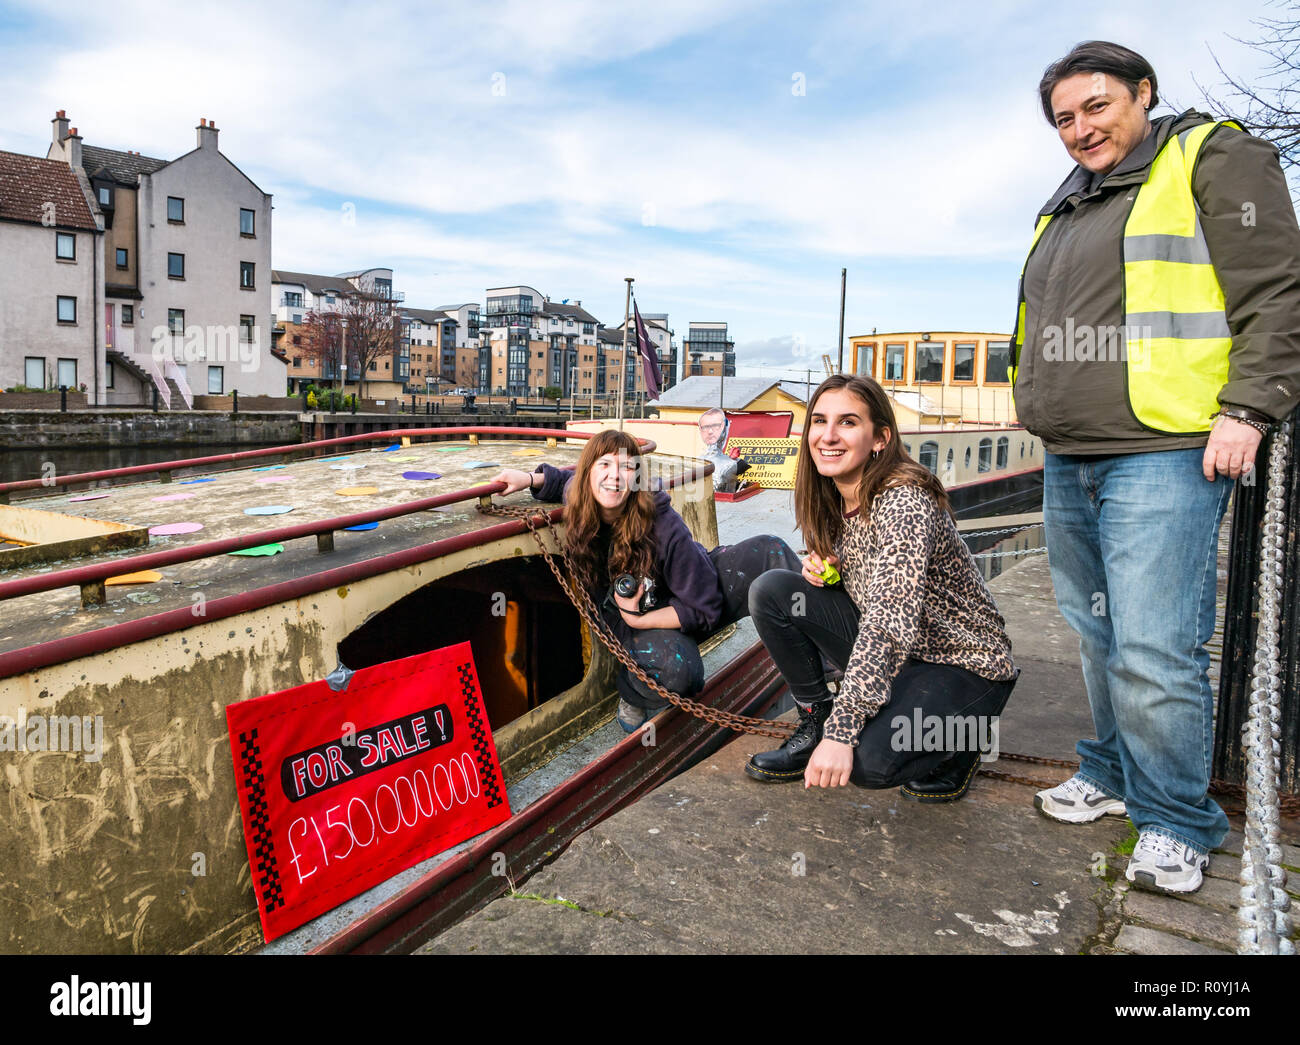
919 595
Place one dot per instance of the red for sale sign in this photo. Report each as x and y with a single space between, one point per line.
342 790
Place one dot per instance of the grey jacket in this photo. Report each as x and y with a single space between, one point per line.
1074 283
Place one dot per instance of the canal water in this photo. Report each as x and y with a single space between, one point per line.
39 463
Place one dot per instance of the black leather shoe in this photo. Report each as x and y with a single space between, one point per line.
949 782
788 761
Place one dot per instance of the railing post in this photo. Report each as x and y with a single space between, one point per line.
234 398
154 388
63 399
353 401
325 542
93 594
1240 623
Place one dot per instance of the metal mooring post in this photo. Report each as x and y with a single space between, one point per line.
1242 616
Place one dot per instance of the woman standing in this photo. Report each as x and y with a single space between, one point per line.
910 620
617 525
1157 338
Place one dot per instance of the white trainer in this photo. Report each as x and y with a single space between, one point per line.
1077 802
1162 865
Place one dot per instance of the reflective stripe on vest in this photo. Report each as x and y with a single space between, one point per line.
1176 328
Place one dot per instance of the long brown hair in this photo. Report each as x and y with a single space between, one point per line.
631 539
817 502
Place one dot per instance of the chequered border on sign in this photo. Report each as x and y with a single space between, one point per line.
259 819
483 756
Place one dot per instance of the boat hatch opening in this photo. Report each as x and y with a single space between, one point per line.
524 632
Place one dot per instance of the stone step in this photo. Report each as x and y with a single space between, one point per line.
1137 939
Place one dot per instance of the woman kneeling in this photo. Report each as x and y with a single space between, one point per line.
616 526
909 620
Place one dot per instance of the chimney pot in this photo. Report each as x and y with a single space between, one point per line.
61 114
73 132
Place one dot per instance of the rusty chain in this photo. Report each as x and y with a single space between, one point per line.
582 601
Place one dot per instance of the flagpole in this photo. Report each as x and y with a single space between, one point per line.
622 377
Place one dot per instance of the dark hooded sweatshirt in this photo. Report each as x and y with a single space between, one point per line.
1075 275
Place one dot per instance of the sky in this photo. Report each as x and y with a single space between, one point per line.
731 157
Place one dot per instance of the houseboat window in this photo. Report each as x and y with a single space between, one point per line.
986 455
968 457
996 362
1004 450
867 359
894 362
907 447
948 465
963 361
929 361
930 456
1031 449
1022 449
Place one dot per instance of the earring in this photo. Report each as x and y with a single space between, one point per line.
875 454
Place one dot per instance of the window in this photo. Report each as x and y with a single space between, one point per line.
175 266
1022 449
963 361
34 371
297 360
176 321
894 362
247 328
128 315
297 318
109 380
986 455
216 380
292 299
374 365
67 374
245 222
1004 450
121 257
246 274
930 455
67 310
996 362
947 467
297 340
65 246
867 359
176 210
968 457
929 361
105 196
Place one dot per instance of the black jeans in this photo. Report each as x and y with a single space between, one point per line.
672 657
933 711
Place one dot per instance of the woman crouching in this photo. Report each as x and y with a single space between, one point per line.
616 526
909 621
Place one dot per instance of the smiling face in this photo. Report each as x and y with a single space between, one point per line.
612 479
841 437
1098 120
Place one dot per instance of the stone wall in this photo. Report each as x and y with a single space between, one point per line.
249 403
29 429
47 401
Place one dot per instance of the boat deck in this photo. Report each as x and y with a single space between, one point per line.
311 488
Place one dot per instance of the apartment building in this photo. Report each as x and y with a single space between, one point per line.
529 342
708 351
51 279
295 296
431 336
187 259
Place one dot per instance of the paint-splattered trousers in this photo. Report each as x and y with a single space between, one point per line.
672 657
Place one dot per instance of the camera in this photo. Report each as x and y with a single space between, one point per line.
625 586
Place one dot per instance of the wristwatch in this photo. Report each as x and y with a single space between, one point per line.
1260 422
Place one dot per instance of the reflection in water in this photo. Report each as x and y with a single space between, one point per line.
995 553
39 463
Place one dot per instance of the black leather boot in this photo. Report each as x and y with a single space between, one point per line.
788 761
948 782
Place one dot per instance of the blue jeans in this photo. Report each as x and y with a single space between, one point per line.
1133 545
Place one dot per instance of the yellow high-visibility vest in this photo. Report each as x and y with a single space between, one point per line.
1176 335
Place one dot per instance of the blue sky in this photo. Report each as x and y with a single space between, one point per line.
732 157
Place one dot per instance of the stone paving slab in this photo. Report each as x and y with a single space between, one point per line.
710 861
1183 917
1137 939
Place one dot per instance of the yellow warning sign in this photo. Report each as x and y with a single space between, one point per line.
771 461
